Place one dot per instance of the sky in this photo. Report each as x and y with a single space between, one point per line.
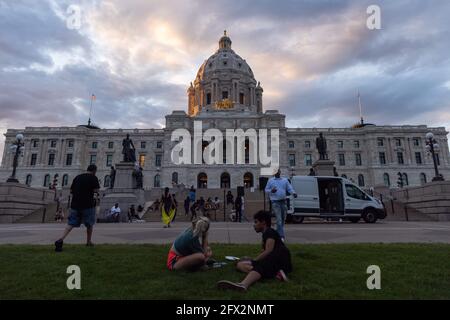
139 56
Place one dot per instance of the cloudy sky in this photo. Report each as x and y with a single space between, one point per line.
138 57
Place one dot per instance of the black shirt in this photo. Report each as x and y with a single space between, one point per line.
272 234
82 189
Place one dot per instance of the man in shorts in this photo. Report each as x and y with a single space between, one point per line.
82 208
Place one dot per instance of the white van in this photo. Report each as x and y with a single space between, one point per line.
333 197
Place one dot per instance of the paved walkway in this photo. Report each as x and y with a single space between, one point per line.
384 231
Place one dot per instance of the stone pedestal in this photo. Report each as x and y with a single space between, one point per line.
123 192
124 175
323 167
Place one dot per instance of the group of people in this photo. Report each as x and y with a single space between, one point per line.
191 250
132 214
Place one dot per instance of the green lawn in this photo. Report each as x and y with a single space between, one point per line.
408 271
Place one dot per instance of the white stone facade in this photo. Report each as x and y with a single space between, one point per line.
225 95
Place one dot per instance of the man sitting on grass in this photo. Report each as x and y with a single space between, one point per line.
186 252
272 262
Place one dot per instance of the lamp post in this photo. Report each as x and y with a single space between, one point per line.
432 147
17 146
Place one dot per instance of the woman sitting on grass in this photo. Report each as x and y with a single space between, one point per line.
272 262
186 252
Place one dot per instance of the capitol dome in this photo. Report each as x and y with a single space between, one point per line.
224 81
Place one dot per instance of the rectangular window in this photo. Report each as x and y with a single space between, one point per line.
159 144
418 158
33 159
380 142
416 142
400 157
208 98
69 159
94 145
291 145
356 143
158 160
224 94
109 160
340 144
51 159
142 160
382 157
111 145
70 143
93 159
143 144
307 144
341 157
241 98
308 160
398 142
292 160
358 159
52 143
35 143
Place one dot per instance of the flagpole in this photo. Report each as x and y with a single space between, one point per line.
360 108
90 110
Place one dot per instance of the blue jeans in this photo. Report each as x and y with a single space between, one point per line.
279 209
87 216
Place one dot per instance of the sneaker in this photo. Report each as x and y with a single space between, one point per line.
58 245
282 276
225 284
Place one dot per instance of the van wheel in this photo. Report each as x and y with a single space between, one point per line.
354 220
289 218
297 219
369 216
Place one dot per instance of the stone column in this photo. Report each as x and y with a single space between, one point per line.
389 151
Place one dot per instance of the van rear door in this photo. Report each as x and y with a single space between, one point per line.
307 201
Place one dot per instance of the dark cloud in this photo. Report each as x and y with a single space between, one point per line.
139 56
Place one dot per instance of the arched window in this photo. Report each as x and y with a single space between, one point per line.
157 181
225 180
423 178
405 179
202 181
175 177
47 180
248 180
28 180
387 181
344 176
360 180
107 181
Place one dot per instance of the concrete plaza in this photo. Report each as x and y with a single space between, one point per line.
229 232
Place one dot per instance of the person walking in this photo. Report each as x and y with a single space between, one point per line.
167 208
82 207
278 188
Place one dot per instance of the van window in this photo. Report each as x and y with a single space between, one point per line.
354 192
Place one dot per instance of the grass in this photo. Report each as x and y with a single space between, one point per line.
338 271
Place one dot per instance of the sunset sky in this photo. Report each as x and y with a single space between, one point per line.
138 57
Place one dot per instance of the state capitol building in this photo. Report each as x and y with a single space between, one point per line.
226 95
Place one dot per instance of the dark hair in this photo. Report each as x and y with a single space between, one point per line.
265 216
92 168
